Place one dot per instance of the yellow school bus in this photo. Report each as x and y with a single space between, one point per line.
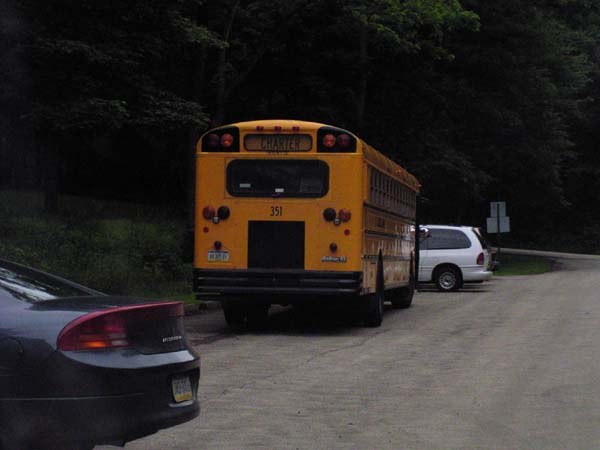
289 212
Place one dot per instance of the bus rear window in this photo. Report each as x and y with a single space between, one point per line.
277 178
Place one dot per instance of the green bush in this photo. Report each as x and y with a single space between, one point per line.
118 256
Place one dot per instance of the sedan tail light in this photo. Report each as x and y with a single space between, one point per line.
111 328
480 259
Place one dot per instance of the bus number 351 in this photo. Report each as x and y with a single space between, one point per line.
276 211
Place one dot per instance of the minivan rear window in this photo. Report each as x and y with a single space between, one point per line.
277 178
440 239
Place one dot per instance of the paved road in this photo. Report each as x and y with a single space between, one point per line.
514 363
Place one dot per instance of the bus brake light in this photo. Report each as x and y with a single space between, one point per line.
208 212
344 215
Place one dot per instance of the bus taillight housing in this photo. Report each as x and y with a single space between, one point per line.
226 139
335 140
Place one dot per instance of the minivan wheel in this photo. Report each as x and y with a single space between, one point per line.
448 279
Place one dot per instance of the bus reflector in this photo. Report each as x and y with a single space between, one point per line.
208 212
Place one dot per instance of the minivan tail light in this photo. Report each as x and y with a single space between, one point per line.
109 328
480 259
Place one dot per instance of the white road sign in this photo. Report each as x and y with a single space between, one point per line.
497 207
492 224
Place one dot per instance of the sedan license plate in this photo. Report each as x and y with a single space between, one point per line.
218 256
182 389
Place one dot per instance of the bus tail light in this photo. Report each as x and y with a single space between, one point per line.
480 259
208 212
329 214
344 215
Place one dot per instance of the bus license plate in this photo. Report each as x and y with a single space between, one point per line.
218 256
182 389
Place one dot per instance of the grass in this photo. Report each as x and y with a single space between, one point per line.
522 265
114 247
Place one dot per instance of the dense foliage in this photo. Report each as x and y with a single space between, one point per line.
481 100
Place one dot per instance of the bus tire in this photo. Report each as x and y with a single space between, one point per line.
257 315
447 278
234 314
374 314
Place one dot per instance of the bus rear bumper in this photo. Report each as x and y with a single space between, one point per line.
289 282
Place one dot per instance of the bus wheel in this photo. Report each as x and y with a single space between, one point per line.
374 315
234 314
257 315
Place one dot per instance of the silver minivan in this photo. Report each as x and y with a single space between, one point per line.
452 255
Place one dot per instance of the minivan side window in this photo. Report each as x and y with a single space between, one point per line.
440 239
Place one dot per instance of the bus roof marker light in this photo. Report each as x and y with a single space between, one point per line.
295 128
259 128
277 127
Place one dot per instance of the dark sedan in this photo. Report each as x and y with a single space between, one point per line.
79 368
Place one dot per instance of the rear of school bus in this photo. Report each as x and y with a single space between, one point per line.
279 209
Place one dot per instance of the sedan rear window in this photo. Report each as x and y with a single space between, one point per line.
440 239
22 283
277 178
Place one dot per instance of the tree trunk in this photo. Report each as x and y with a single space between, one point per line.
363 62
221 97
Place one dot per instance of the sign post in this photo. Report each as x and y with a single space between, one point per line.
498 222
